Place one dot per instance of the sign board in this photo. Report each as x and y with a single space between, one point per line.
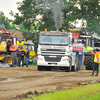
78 49
75 34
73 30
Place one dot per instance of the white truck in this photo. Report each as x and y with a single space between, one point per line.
55 50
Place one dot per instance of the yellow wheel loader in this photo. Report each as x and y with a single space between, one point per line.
30 46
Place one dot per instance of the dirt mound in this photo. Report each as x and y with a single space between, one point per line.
24 96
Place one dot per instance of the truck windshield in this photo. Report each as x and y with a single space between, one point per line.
53 39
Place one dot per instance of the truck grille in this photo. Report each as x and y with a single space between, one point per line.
53 51
52 59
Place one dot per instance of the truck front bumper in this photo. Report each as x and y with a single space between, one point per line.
64 62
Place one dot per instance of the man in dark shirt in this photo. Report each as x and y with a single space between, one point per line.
26 57
8 45
18 57
22 57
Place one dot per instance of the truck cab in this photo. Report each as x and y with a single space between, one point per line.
54 50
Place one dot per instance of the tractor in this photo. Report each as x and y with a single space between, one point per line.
8 48
91 43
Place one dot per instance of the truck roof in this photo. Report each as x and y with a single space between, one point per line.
54 33
28 43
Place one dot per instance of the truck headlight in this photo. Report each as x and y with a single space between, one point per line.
65 59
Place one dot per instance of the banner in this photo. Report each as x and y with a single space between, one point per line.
79 49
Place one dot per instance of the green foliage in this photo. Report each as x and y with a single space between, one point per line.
47 21
90 11
86 10
4 20
27 18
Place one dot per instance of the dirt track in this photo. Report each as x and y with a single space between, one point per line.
17 81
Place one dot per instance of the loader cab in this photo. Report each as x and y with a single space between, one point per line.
89 42
96 43
29 46
86 40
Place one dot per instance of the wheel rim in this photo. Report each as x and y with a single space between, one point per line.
8 61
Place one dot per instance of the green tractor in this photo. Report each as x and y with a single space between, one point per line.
91 43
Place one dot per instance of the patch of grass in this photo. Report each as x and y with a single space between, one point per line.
95 96
30 66
78 93
85 68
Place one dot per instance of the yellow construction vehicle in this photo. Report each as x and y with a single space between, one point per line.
30 45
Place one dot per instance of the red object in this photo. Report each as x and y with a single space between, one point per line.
3 30
13 48
79 49
7 35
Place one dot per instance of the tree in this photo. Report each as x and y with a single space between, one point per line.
48 10
90 12
27 17
70 11
5 21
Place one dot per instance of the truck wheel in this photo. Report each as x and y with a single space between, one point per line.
68 69
40 68
9 60
76 66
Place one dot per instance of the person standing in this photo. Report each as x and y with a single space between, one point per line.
26 57
18 57
96 61
22 57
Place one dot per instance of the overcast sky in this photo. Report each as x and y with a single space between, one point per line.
7 5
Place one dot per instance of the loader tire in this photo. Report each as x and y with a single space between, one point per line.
9 60
89 62
14 55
